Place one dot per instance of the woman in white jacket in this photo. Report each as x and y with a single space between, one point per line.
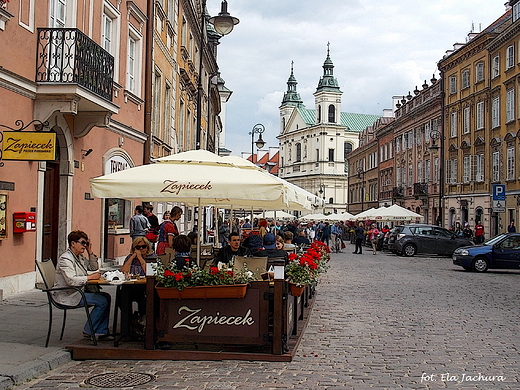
74 269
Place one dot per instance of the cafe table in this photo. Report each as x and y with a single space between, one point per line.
123 302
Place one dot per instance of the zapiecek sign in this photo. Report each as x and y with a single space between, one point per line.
33 146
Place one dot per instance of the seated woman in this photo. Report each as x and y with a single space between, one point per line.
135 264
73 269
271 250
182 246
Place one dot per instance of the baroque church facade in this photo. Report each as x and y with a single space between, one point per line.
314 143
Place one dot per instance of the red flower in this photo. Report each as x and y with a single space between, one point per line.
313 265
178 276
230 273
168 273
213 270
292 256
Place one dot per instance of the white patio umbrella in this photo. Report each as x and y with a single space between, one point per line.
367 214
315 217
396 213
275 214
340 217
196 178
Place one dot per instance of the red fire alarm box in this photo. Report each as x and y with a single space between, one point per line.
24 222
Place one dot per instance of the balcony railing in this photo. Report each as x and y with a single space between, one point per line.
420 188
398 192
67 56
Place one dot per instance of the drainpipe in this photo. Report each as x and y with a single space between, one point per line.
148 83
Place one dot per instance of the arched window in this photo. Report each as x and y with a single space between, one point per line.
479 215
332 114
451 221
347 149
331 200
298 152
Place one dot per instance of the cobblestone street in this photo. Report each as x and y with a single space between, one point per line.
381 322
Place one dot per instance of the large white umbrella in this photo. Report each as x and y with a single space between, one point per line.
367 214
395 213
314 217
275 214
195 178
340 217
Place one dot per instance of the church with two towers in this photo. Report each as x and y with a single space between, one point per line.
314 143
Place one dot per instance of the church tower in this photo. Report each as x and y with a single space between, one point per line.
327 97
291 100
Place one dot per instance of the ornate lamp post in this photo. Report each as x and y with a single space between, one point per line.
436 135
257 129
223 24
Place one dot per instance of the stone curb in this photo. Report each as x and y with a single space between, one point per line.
33 369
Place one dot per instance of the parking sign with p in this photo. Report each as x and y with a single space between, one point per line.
499 192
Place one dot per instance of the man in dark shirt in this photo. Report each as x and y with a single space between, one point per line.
226 254
301 239
152 218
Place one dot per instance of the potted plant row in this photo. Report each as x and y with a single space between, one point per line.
197 283
304 268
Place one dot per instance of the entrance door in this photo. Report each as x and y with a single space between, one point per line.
51 198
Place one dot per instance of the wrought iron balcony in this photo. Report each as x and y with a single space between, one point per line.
420 188
398 192
68 56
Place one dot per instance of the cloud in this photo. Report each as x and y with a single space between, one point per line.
379 49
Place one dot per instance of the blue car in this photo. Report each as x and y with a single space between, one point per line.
502 251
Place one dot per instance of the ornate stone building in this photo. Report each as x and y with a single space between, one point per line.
314 143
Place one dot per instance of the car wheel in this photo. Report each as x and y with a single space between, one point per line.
409 250
480 264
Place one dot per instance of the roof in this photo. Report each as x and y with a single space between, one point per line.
353 122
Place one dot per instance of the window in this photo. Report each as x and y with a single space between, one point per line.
319 114
410 139
479 76
317 155
419 172
480 115
495 112
106 37
466 120
427 131
332 114
510 57
453 124
57 13
110 34
398 145
130 67
516 11
453 84
451 171
117 217
510 105
410 175
480 168
495 71
347 146
167 114
496 166
510 163
465 79
398 177
427 171
466 169
157 97
298 152
331 155
436 169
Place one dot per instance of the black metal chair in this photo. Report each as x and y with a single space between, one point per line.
48 273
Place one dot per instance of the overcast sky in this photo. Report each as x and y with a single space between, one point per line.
380 48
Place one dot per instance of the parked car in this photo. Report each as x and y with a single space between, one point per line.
502 251
409 240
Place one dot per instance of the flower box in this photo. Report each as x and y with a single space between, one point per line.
203 292
296 291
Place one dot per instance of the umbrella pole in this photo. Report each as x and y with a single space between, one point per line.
199 228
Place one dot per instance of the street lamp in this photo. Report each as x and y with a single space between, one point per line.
436 135
223 24
361 175
257 129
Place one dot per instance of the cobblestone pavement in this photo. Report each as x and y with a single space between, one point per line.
379 322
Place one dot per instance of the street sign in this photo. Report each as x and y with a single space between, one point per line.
499 206
499 192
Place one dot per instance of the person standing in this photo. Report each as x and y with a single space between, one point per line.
325 234
139 224
153 233
479 233
360 236
74 269
373 234
511 228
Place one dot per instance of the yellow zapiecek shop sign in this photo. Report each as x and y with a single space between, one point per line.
18 145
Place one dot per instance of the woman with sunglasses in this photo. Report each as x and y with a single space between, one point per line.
135 264
74 269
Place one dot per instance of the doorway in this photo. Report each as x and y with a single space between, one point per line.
51 202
